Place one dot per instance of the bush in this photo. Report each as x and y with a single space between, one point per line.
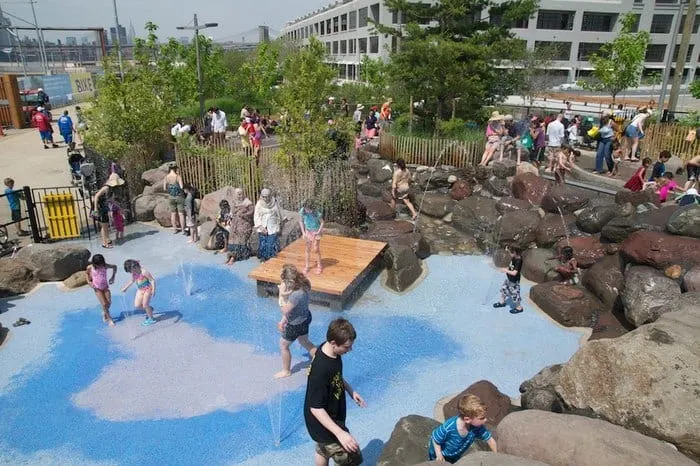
230 106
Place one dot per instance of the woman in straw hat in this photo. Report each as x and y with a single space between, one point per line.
494 130
100 204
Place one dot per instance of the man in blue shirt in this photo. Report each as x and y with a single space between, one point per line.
65 127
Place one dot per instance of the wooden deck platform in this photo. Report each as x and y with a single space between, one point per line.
347 262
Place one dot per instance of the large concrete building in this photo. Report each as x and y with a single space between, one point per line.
577 28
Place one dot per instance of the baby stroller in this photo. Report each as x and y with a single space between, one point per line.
586 124
75 159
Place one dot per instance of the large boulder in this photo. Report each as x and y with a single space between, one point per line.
372 189
636 198
660 250
646 380
566 440
403 267
436 205
498 187
380 170
553 227
205 230
526 167
337 229
518 227
145 205
503 168
587 249
498 404
539 265
54 262
460 190
435 178
161 212
379 210
529 187
155 176
476 216
508 204
593 219
564 199
539 391
489 458
685 221
16 277
76 280
571 306
408 443
209 207
691 280
605 280
387 230
620 228
646 293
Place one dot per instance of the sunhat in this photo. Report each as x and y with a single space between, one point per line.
40 109
508 117
495 116
114 180
360 106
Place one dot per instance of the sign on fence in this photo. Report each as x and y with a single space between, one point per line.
83 85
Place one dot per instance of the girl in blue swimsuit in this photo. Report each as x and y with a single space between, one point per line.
145 288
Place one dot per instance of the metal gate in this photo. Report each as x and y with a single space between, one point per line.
61 213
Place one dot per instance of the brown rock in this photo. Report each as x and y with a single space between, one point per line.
660 250
691 280
608 325
551 229
379 210
517 227
209 208
605 280
526 167
498 404
539 265
624 196
569 305
76 280
161 212
565 199
16 277
529 187
460 190
674 271
587 249
508 204
385 230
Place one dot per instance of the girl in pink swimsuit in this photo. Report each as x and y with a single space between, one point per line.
96 274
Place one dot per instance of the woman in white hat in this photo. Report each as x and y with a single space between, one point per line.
494 130
100 204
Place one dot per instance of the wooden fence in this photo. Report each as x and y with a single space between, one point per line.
671 137
421 151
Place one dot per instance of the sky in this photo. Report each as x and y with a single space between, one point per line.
233 16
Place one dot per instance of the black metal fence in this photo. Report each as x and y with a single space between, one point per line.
21 209
60 213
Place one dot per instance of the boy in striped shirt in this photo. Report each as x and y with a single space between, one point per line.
453 437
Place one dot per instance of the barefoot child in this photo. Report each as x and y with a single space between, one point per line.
617 158
285 289
311 227
146 288
569 267
191 213
117 220
96 274
636 182
561 165
450 440
511 285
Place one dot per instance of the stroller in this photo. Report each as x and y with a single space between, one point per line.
75 160
586 124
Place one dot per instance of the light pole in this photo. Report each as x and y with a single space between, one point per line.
116 35
196 28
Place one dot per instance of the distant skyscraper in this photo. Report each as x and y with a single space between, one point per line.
122 36
84 40
263 34
71 41
132 33
184 40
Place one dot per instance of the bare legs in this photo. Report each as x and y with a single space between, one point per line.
143 301
105 299
315 246
287 355
104 233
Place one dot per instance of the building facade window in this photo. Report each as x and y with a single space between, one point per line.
344 22
362 45
394 44
335 24
521 24
661 24
687 55
329 26
599 22
352 20
563 49
655 53
351 46
328 48
557 20
374 12
666 2
343 47
323 28
696 24
362 17
637 19
335 47
586 49
374 44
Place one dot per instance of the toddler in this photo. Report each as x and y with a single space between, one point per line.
117 220
617 159
569 267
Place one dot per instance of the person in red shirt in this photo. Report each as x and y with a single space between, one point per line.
42 123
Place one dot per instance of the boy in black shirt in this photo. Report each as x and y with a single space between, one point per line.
511 285
324 406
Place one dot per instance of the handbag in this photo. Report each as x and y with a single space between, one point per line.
527 141
594 132
692 135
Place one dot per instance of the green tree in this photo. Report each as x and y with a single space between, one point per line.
261 74
447 51
619 64
695 89
302 96
374 74
533 71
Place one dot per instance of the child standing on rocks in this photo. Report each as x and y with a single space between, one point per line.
450 440
636 182
511 286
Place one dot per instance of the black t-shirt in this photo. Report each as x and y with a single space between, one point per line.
326 390
516 263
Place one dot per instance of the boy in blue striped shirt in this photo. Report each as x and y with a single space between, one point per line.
453 437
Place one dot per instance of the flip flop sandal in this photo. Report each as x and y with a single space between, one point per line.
17 324
497 305
516 310
107 246
24 321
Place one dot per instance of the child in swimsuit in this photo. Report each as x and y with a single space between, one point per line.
145 288
96 274
311 223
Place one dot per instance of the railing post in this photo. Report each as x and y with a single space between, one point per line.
31 211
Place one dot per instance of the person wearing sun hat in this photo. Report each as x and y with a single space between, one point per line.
494 130
100 202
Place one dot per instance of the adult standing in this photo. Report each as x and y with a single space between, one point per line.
606 136
357 117
219 124
296 317
555 137
268 223
43 98
568 115
324 404
241 227
345 107
371 123
43 124
634 132
65 127
173 185
100 204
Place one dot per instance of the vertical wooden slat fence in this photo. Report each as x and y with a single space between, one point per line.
420 151
671 137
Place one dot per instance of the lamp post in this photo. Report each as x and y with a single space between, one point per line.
119 48
196 28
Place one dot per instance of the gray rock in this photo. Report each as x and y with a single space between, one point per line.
508 204
624 196
565 199
161 212
435 205
539 391
16 277
504 168
539 266
155 176
691 280
606 281
380 170
646 291
400 280
371 189
379 210
499 187
403 267
580 441
145 204
54 262
489 458
209 207
205 230
476 216
76 280
336 229
620 228
593 219
517 227
685 221
408 443
646 380
552 228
